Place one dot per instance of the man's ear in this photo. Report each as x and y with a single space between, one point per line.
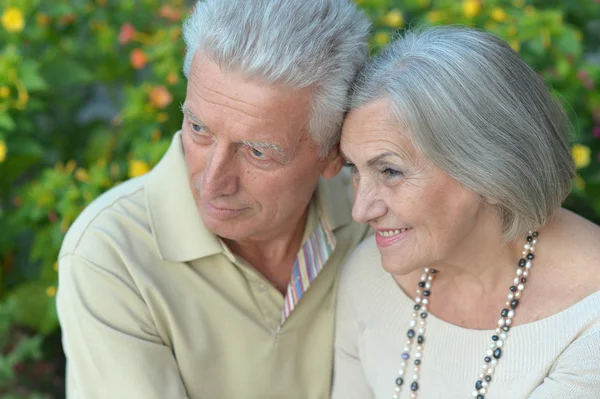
334 163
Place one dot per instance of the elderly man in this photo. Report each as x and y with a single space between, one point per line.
213 275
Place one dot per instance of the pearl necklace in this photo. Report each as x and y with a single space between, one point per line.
418 325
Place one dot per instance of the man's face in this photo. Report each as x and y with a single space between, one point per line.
251 163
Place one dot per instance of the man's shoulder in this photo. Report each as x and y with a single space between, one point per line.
119 211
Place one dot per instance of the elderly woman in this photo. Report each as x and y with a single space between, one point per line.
477 284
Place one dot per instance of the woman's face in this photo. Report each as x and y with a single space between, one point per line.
421 215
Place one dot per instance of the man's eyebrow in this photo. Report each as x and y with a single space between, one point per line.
193 117
262 144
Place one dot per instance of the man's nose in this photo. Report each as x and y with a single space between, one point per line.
220 176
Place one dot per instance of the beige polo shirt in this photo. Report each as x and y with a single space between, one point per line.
152 305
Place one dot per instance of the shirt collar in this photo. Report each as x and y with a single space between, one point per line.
177 226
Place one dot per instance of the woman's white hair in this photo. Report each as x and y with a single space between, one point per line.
479 113
296 43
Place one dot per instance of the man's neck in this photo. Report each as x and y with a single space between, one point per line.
273 258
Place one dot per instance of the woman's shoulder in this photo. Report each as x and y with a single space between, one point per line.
363 270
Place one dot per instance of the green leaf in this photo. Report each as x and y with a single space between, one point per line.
65 72
6 122
33 307
31 76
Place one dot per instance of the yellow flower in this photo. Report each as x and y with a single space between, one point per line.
423 3
515 44
156 135
70 166
162 117
3 151
499 15
382 38
394 19
13 20
82 175
4 92
512 31
55 266
138 168
582 155
471 8
51 291
172 78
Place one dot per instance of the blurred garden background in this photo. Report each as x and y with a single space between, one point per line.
89 97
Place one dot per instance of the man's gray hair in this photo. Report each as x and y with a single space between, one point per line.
481 114
297 43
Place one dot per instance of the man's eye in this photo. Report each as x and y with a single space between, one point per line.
350 166
257 153
197 128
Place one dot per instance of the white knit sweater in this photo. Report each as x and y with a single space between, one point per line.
554 358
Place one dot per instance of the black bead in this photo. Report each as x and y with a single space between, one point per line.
478 385
417 362
497 353
417 307
488 378
523 280
399 381
535 234
530 256
480 397
522 263
495 337
529 238
514 303
426 293
504 313
421 284
414 386
411 333
420 339
513 288
432 271
423 315
487 359
505 328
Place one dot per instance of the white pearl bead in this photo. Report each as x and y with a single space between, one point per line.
511 295
519 272
493 345
413 396
485 384
425 301
402 365
418 300
475 393
501 322
418 355
532 249
401 373
421 331
484 366
499 344
413 323
494 362
423 277
417 369
524 253
511 313
507 304
483 391
489 353
490 371
498 331
534 241
397 389
518 294
528 265
429 278
427 285
527 246
395 396
426 270
520 287
406 349
508 321
415 377
422 323
419 292
503 336
516 281
525 273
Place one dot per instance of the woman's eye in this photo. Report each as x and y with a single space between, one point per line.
389 172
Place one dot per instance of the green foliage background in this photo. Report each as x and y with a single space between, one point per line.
90 94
